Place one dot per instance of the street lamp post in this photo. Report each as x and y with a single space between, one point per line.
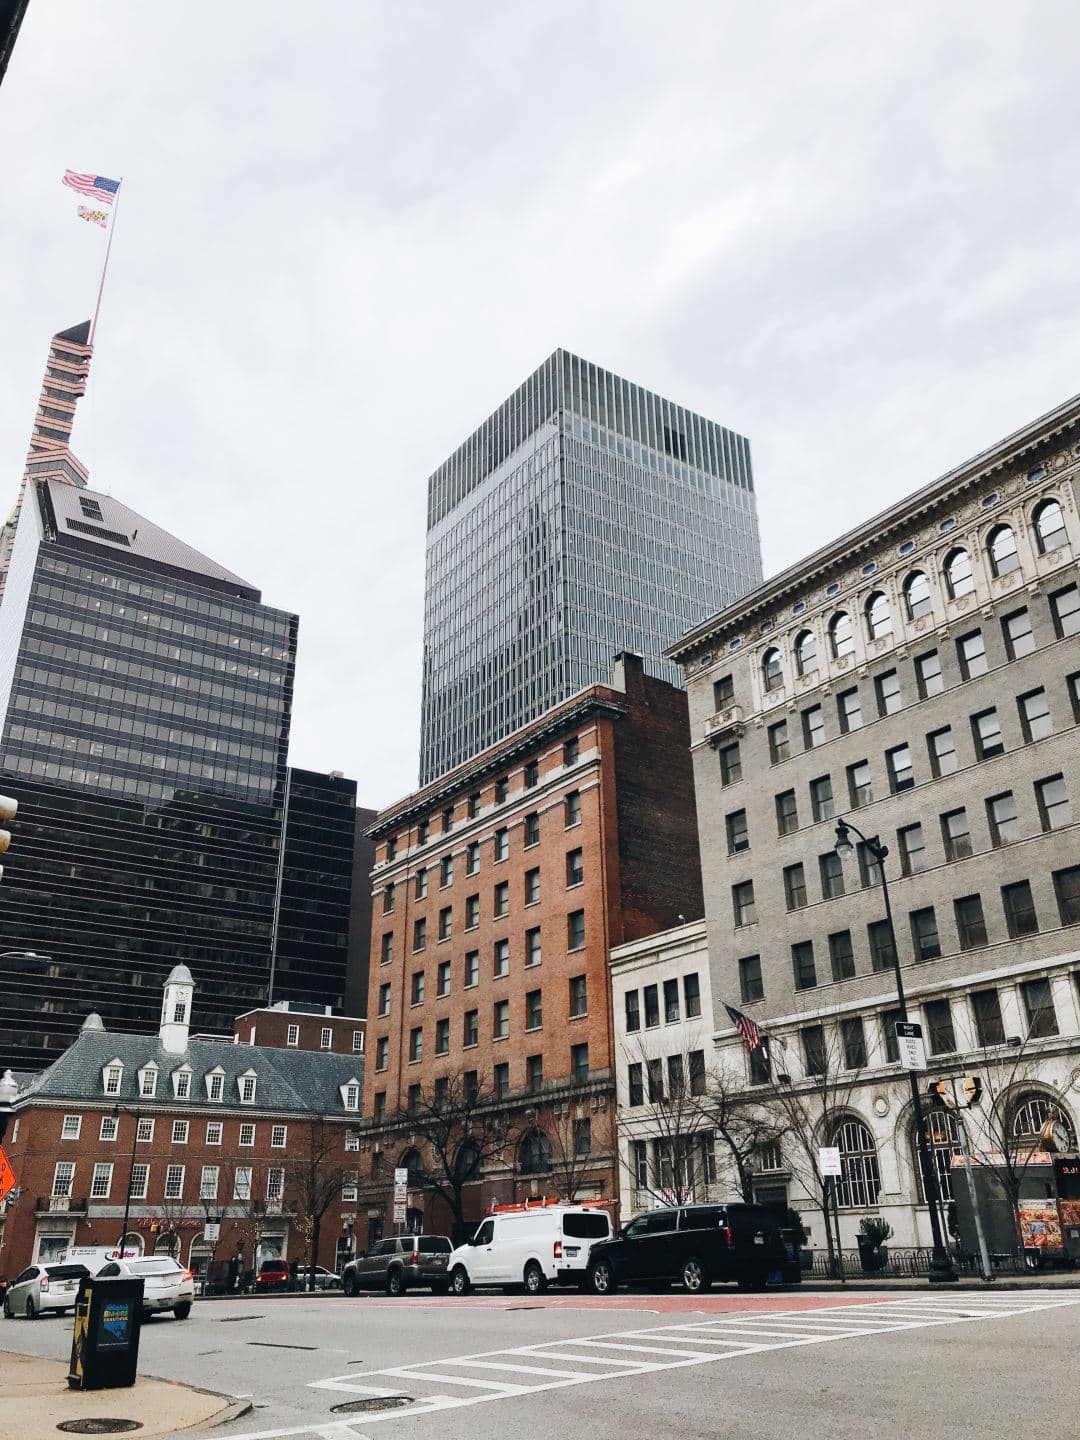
118 1110
941 1267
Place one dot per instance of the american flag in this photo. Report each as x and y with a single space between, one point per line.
750 1030
98 187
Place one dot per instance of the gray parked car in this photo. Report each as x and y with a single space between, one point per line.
399 1264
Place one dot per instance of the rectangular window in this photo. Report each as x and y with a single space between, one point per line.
787 816
575 930
388 898
446 922
841 955
472 911
501 902
853 1039
940 1038
180 1129
751 985
472 857
572 809
989 1025
692 996
382 1052
742 902
986 733
419 937
579 1063
1039 1008
534 1009
924 934
848 710
1065 609
887 691
971 655
532 886
813 1048
275 1184
730 763
813 726
174 1182
1035 719
532 829
531 774
208 1182
446 871
101 1183
421 883
63 1177
386 952
571 751
502 789
534 1072
448 820
532 946
384 998
652 1006
1019 907
633 1011
942 751
759 1066
500 1020
1017 633
412 1098
470 1028
795 886
737 837
635 1083
900 769
502 844
802 964
779 743
247 1134
821 798
416 1044
215 1130
955 835
832 875
859 787
882 947
1002 818
579 996
869 867
888 1031
417 991
472 805
472 968
423 829
1067 893
928 674
500 1079
676 1077
671 1002
501 958
723 692
655 1072
970 923
442 1036
696 1064
71 1128
912 849
140 1181
1053 801
293 1035
639 1163
109 1130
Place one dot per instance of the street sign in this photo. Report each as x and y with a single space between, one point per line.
401 1186
399 1213
7 1176
212 1232
829 1161
909 1042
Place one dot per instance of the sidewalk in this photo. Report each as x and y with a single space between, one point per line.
1054 1280
35 1399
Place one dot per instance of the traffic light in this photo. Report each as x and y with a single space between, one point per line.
8 810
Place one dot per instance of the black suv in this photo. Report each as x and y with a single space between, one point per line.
397 1265
695 1244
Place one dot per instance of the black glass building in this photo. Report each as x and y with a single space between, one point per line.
585 517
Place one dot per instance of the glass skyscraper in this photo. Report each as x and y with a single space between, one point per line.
584 517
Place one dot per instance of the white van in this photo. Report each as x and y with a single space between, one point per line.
529 1245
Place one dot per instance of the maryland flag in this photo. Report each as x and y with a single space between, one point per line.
95 217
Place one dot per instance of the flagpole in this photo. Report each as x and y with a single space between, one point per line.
105 267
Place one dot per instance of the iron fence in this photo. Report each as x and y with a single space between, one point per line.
910 1264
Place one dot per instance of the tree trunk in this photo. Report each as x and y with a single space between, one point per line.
313 1253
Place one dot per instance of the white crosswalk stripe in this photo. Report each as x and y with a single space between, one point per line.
614 1355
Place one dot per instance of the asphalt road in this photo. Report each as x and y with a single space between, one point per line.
913 1366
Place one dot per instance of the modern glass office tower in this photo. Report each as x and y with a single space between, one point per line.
585 516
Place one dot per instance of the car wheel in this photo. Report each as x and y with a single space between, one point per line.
535 1283
183 1310
459 1281
440 1287
395 1283
695 1277
9 1314
349 1285
31 1310
602 1278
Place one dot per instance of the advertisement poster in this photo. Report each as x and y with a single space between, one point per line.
114 1325
1040 1228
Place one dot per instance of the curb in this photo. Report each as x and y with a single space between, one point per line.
856 1287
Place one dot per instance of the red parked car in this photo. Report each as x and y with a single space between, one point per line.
273 1275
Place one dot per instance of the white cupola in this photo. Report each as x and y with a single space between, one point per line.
176 1011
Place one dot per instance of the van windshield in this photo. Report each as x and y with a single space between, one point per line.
586 1226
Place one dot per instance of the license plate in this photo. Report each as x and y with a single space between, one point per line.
759 1239
573 1250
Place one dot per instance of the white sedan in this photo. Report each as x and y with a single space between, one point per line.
51 1285
166 1285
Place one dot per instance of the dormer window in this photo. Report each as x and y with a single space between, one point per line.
148 1081
350 1094
215 1085
182 1083
247 1089
112 1076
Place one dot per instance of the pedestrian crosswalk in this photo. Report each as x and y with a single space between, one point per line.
474 1379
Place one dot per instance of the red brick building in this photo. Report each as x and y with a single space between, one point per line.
178 1133
297 1026
498 891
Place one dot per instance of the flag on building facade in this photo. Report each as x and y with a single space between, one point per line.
95 187
750 1030
95 217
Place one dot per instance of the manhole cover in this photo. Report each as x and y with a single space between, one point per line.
99 1427
373 1402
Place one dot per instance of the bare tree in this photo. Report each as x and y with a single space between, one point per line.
574 1136
673 1118
314 1179
462 1127
743 1126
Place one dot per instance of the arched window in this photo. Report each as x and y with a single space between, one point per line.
944 1137
878 616
917 595
841 635
860 1183
771 672
467 1160
805 652
1031 1112
958 577
534 1158
411 1162
1001 547
1049 526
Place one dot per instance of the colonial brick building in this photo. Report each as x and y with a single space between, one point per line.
499 890
177 1132
293 1025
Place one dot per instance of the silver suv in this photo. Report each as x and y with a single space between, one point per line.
397 1265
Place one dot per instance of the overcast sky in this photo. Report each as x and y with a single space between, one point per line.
349 229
